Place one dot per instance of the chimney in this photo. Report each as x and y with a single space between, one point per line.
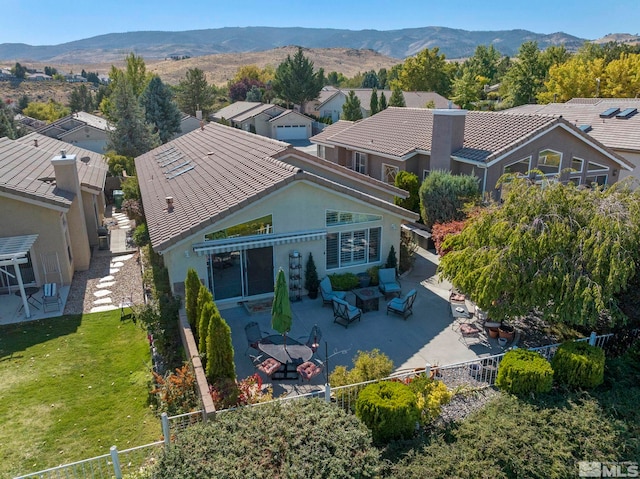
66 174
447 136
35 142
199 114
169 200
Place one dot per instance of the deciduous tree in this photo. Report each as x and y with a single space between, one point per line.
427 71
561 250
523 81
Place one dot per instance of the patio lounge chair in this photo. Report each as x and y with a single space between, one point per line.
344 313
327 292
309 370
387 282
403 306
51 297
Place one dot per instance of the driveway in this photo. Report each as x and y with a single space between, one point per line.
425 337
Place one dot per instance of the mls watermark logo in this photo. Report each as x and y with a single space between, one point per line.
608 469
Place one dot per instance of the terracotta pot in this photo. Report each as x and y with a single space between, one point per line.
507 332
493 333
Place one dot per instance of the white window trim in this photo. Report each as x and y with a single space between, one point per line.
364 158
527 158
603 168
559 164
366 261
384 173
322 152
575 158
595 177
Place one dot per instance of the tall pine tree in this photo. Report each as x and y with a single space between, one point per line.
373 102
220 363
160 109
194 93
296 82
382 104
397 98
351 110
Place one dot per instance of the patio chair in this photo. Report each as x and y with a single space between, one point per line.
268 366
387 282
403 306
254 335
327 292
470 331
344 313
309 370
51 297
314 338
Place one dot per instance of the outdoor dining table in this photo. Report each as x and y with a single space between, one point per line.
290 354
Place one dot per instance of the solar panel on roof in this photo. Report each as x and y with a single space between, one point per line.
178 173
627 113
178 166
609 112
586 128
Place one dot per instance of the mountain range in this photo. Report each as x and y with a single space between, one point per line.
454 43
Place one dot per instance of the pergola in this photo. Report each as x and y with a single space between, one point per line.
13 252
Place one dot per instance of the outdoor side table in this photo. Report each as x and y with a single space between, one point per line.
367 299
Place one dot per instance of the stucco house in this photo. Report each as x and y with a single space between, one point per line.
272 121
235 206
484 144
614 122
331 100
81 129
51 193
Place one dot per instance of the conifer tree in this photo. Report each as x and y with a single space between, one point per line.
397 98
220 363
191 289
373 103
160 110
203 326
351 109
382 104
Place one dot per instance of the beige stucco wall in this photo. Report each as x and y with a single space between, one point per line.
90 204
333 107
635 159
88 138
297 207
21 218
295 120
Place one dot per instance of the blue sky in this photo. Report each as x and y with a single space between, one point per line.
50 22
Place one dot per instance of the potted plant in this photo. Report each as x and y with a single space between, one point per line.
506 331
311 281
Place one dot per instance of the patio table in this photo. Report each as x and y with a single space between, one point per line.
367 299
290 355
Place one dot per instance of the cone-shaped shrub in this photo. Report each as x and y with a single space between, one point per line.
578 365
205 317
220 363
191 289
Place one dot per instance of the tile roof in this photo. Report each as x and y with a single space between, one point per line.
263 107
74 121
225 169
331 130
615 133
402 132
237 108
27 171
92 166
413 99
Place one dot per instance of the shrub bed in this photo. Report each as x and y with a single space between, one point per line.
344 281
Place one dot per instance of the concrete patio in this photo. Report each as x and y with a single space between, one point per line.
425 337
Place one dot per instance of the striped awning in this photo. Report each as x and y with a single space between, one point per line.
242 243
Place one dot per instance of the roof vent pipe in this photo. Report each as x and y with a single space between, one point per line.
63 153
35 142
169 200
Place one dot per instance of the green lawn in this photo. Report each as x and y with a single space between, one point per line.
70 388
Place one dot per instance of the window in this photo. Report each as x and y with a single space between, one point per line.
425 173
360 162
549 162
334 218
593 166
263 225
353 247
577 164
389 173
520 167
598 179
322 152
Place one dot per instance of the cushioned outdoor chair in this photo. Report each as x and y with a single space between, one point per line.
327 292
309 370
403 306
267 366
344 313
387 282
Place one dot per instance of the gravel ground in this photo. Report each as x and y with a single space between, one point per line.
464 404
127 283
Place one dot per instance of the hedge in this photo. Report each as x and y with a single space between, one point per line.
524 372
578 365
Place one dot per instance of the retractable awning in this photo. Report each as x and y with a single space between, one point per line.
242 243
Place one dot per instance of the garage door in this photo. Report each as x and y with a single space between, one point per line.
291 132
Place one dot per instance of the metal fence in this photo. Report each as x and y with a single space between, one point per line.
476 373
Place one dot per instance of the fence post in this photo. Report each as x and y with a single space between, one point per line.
166 429
116 462
327 393
592 338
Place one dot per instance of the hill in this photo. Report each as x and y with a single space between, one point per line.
454 43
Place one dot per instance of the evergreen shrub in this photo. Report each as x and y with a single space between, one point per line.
578 365
389 409
523 372
344 281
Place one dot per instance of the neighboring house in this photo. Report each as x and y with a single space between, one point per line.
55 199
484 144
81 129
38 77
330 101
614 122
234 206
30 123
268 120
188 123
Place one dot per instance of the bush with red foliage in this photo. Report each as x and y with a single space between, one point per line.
441 231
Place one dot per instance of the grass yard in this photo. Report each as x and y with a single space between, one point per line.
70 388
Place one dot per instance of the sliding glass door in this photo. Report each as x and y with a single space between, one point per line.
239 274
